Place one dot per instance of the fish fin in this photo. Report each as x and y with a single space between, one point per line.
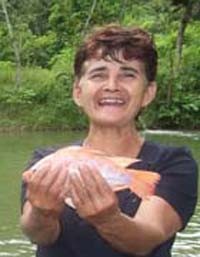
144 183
119 188
122 161
70 149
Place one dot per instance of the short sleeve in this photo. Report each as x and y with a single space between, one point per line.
179 181
37 155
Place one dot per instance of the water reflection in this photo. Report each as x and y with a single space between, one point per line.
188 241
16 247
193 135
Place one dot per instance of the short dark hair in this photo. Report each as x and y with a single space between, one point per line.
114 41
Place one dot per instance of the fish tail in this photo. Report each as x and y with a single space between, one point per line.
144 183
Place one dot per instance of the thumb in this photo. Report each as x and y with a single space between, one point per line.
27 175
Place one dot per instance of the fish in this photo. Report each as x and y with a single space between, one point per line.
114 169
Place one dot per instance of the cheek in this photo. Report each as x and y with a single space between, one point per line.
136 101
87 100
137 95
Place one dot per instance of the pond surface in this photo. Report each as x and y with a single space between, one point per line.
16 149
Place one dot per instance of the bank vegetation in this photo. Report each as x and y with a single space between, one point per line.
38 39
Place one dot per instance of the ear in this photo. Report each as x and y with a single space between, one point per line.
77 93
149 94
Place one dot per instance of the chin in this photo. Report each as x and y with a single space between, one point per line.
112 123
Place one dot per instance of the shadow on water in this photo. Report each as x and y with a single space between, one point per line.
16 149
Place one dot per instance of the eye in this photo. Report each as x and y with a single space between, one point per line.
98 76
129 75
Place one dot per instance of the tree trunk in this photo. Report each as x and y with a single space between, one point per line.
89 16
123 10
187 13
14 44
171 80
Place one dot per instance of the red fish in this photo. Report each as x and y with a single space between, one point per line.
112 168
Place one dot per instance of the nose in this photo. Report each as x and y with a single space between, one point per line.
111 84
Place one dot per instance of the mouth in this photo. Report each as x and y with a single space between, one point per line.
111 101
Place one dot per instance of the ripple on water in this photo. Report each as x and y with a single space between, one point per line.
187 243
173 133
16 247
8 254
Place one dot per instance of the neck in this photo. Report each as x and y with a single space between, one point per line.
123 142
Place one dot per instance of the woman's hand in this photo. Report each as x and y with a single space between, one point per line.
93 198
47 186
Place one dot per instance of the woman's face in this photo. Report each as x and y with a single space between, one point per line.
112 93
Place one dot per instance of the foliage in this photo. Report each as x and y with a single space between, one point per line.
47 34
43 100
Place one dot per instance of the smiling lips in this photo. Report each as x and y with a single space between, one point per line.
111 101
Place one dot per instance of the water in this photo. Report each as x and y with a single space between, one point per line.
16 149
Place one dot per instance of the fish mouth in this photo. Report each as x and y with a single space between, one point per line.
111 101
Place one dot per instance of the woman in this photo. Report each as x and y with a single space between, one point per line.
115 72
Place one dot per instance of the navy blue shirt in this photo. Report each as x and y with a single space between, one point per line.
178 186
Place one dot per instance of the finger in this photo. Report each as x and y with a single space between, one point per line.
95 194
60 184
27 175
46 176
65 189
76 201
39 176
79 188
49 183
88 180
40 163
43 180
70 167
93 176
104 198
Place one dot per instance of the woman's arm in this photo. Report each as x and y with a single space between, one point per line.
40 226
155 222
45 192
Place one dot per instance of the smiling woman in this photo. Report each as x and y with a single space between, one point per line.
115 71
112 93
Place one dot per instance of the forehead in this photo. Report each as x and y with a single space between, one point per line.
107 65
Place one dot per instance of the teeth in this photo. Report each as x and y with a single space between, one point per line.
111 101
